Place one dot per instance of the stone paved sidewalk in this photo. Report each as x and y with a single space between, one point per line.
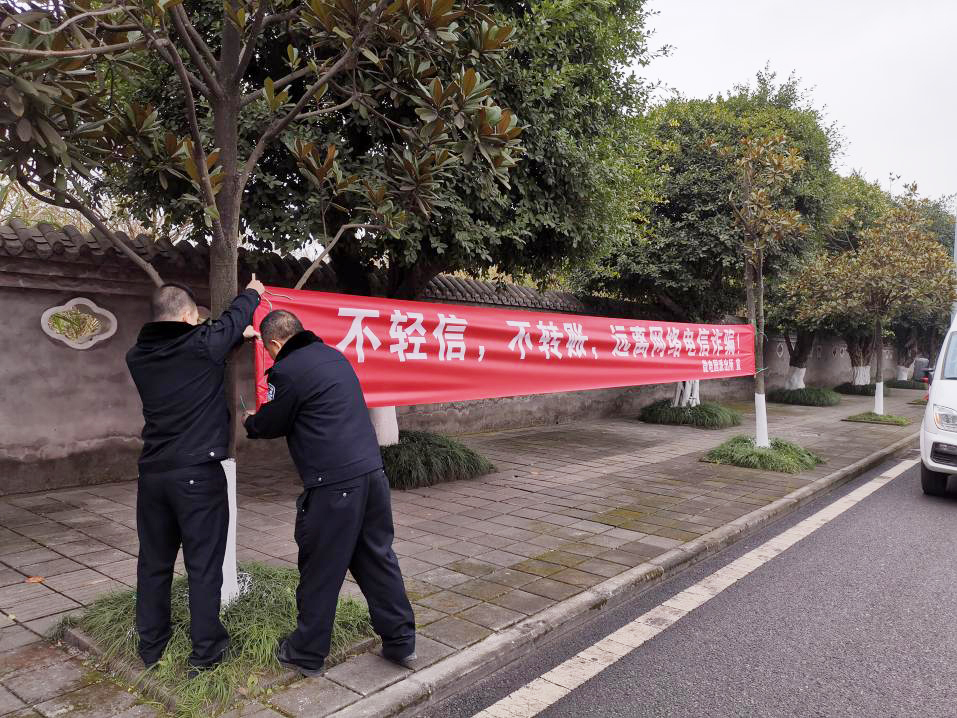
570 506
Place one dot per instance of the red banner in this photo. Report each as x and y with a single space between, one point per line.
425 353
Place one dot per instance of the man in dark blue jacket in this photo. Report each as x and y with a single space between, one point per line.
178 366
344 515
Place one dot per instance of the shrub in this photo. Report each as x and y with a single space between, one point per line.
906 384
809 396
706 415
424 459
859 389
256 621
869 417
781 456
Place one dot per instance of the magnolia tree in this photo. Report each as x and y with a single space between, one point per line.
69 110
765 216
68 114
896 266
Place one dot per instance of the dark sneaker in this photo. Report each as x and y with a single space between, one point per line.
282 655
404 661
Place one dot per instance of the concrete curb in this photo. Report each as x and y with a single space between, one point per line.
423 688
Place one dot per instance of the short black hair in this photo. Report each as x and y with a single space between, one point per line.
170 301
280 325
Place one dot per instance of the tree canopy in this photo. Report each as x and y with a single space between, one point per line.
565 76
683 250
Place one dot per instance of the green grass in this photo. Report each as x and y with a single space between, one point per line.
918 402
424 459
809 396
905 384
869 417
706 415
781 456
859 389
255 622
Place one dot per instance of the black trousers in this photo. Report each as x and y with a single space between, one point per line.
348 526
189 507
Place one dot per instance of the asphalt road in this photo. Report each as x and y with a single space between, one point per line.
857 619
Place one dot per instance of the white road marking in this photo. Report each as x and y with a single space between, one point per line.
534 697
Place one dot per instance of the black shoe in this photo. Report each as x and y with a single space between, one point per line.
404 661
282 655
194 671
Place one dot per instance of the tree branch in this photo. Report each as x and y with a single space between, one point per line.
279 125
325 252
85 52
199 153
70 202
76 18
186 31
249 49
278 18
277 85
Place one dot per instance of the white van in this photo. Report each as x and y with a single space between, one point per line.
938 433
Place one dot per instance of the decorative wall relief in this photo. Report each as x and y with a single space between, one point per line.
80 323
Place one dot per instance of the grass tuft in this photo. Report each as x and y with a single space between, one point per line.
906 384
425 459
809 396
706 415
918 402
255 622
782 456
859 389
869 417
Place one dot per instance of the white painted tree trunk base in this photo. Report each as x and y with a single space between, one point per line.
879 398
687 393
386 424
230 589
861 375
795 378
761 438
903 373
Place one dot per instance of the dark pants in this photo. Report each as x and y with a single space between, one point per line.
348 526
188 506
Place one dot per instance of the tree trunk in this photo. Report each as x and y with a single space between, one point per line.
687 393
754 289
386 424
858 348
903 372
879 362
800 352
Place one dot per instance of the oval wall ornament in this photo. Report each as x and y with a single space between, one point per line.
80 323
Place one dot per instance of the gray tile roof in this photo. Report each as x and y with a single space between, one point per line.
68 244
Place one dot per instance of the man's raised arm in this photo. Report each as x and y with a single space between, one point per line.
227 332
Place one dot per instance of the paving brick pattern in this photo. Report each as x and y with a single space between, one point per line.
569 507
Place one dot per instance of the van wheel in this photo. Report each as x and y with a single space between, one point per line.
934 483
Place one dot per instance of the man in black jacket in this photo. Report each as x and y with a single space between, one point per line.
178 366
344 515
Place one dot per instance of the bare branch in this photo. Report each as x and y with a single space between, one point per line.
199 153
76 18
277 85
186 31
249 49
69 201
278 18
327 110
325 252
77 52
198 40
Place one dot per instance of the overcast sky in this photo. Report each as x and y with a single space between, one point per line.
884 70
